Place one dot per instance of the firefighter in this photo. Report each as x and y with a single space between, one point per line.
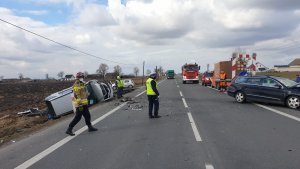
223 84
120 86
81 104
153 95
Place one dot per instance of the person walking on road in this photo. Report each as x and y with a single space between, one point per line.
153 95
81 104
120 85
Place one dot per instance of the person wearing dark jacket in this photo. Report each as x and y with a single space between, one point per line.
153 95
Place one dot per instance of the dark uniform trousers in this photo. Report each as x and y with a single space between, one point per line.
81 111
153 100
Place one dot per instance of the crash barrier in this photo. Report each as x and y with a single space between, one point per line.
60 103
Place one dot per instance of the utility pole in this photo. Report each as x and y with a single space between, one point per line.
143 73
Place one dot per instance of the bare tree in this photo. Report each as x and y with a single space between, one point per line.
47 76
160 70
21 76
102 70
1 78
86 73
136 71
117 70
61 74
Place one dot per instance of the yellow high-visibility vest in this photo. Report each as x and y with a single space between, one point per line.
120 83
149 89
80 94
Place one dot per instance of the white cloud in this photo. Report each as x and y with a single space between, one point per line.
167 33
84 38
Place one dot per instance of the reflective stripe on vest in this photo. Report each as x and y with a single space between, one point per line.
149 89
80 95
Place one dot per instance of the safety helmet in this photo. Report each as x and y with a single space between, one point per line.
118 77
79 75
153 75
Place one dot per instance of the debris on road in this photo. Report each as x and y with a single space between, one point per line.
32 112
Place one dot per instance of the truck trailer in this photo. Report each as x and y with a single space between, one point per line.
238 64
170 74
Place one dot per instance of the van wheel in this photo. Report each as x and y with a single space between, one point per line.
240 97
293 102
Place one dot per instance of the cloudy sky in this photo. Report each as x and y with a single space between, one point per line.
166 33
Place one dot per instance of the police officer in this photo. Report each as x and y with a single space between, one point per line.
120 85
81 104
153 95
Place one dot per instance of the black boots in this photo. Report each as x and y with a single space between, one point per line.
91 128
69 131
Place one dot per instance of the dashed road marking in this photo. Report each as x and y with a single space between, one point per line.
278 112
194 127
208 166
180 93
178 86
184 102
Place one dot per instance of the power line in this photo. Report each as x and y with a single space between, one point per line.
61 44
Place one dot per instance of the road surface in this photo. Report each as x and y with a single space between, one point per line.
200 128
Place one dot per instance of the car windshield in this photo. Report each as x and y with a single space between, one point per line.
286 82
191 67
208 74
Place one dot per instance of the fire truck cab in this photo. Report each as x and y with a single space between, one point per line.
190 73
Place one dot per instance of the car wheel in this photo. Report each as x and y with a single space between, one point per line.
202 84
183 82
293 102
240 97
130 86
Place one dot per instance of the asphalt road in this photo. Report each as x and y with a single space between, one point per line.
200 128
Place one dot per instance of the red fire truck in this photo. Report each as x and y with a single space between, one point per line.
190 73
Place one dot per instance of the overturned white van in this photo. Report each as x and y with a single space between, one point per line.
60 103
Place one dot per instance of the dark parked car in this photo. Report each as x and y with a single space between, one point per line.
268 89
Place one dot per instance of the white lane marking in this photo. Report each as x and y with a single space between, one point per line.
52 148
184 102
180 93
55 146
194 127
177 86
140 93
278 112
208 166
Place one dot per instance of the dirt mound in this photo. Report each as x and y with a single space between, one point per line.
20 96
15 97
